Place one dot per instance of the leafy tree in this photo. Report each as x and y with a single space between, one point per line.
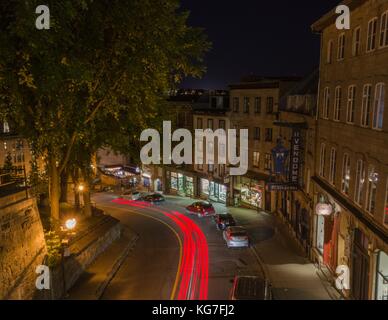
99 61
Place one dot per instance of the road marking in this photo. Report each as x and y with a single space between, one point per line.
172 229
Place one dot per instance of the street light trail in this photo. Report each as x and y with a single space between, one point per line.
194 267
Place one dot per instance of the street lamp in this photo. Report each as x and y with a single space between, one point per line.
70 224
81 187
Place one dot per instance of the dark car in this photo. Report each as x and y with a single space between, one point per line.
201 209
224 220
153 198
250 288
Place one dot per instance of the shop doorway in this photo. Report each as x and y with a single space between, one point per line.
360 266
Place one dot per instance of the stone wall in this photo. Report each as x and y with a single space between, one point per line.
83 252
22 249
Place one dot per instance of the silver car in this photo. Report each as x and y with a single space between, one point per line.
236 237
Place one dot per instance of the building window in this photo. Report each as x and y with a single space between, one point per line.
337 103
345 174
386 206
326 103
210 167
246 105
200 167
268 162
258 105
199 123
221 124
256 159
360 180
373 179
210 123
351 104
356 41
366 105
269 104
341 47
329 55
221 170
384 30
5 127
378 107
236 104
333 165
268 134
256 135
371 37
322 160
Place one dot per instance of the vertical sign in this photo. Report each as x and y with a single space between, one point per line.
295 156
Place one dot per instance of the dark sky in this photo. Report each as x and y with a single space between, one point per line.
261 37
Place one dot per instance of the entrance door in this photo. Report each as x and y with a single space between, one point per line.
268 201
360 267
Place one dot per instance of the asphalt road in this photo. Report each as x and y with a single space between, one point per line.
177 256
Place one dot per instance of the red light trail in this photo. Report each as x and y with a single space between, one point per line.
194 267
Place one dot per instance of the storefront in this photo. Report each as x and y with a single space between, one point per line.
327 228
250 192
181 184
382 276
213 190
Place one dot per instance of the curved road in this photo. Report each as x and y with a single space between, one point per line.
150 271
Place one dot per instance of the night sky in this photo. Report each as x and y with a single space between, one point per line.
261 37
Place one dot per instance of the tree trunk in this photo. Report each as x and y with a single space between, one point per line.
74 177
54 188
86 194
64 181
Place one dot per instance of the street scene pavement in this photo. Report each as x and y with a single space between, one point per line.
182 256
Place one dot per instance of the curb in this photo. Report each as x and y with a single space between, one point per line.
116 266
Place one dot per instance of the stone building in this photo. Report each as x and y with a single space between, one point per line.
18 149
295 208
350 178
254 105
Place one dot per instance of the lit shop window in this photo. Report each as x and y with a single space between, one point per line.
174 181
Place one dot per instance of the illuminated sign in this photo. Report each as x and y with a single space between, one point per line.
295 156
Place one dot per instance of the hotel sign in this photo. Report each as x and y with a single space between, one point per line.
281 187
295 156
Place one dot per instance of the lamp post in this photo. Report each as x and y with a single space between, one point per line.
69 226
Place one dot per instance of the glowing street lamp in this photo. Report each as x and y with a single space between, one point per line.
81 187
70 224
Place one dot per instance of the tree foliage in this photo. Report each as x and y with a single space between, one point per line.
99 74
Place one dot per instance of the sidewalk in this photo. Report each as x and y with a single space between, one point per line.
293 277
91 285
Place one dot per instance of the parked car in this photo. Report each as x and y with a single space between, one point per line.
250 288
201 208
153 198
236 237
224 220
131 195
